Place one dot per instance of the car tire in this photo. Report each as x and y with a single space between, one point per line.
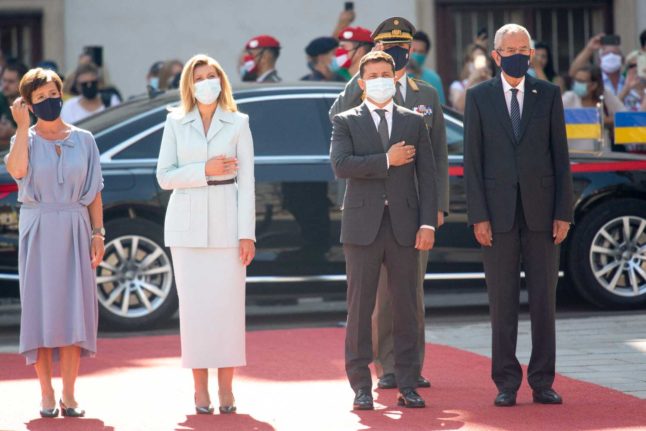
607 258
135 290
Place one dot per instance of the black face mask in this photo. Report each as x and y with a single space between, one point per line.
515 65
89 90
400 55
48 109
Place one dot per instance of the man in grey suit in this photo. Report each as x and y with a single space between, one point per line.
389 213
519 200
394 35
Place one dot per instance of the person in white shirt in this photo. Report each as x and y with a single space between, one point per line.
90 101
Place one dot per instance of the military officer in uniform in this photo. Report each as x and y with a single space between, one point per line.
258 63
395 36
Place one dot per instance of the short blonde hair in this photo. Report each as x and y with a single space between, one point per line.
186 84
36 78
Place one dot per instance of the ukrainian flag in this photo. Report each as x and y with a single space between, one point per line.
630 128
582 123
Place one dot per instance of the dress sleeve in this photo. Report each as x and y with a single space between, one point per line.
94 178
24 181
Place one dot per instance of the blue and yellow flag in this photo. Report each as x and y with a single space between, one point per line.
582 123
630 128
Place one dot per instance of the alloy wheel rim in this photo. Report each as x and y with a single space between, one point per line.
135 277
618 256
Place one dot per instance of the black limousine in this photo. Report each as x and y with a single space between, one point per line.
298 211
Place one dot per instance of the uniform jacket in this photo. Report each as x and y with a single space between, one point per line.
190 219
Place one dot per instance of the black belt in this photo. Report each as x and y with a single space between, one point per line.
221 183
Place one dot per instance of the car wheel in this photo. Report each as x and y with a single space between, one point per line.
607 261
135 280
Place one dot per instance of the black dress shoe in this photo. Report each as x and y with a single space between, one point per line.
71 412
505 399
410 398
363 400
387 381
547 396
423 383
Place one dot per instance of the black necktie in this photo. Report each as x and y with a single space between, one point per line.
383 128
515 112
399 99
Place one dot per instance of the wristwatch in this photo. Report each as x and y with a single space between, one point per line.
99 231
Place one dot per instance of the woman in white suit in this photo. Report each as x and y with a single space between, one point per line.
206 158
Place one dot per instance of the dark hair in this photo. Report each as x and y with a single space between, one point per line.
36 78
595 77
16 66
375 57
423 37
642 38
549 67
275 52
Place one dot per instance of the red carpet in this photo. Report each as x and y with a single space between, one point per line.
295 381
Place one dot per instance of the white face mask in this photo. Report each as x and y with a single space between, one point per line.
380 89
207 91
611 62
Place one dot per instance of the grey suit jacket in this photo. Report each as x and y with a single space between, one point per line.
495 163
357 155
417 93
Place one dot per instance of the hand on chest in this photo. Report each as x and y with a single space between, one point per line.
193 145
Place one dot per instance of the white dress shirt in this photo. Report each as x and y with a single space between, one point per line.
506 88
389 121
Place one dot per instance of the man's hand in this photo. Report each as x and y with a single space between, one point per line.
483 233
559 230
594 44
440 218
425 239
346 18
401 154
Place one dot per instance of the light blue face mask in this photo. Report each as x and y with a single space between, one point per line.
334 65
154 82
580 88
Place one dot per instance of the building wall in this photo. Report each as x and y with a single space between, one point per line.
135 34
53 23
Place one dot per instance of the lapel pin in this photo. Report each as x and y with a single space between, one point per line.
534 91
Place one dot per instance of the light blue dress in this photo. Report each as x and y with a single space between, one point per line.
57 282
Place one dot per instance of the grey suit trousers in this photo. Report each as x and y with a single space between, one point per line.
502 263
363 265
382 321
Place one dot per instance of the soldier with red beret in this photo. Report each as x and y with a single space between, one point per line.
259 61
354 43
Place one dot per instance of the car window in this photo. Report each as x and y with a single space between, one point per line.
288 127
454 138
145 148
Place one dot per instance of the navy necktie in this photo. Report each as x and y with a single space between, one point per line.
515 112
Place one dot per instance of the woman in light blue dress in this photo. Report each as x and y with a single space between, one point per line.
59 180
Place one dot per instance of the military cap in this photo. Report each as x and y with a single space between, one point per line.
321 45
262 41
394 30
355 34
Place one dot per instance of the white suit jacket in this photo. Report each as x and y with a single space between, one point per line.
199 215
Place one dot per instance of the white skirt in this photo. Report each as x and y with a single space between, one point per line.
211 289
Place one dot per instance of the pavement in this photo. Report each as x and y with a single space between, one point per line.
607 349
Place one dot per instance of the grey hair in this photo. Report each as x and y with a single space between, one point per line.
508 29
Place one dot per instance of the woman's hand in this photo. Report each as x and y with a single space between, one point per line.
247 251
97 250
20 113
221 165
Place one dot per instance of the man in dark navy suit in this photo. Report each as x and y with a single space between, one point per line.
519 200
